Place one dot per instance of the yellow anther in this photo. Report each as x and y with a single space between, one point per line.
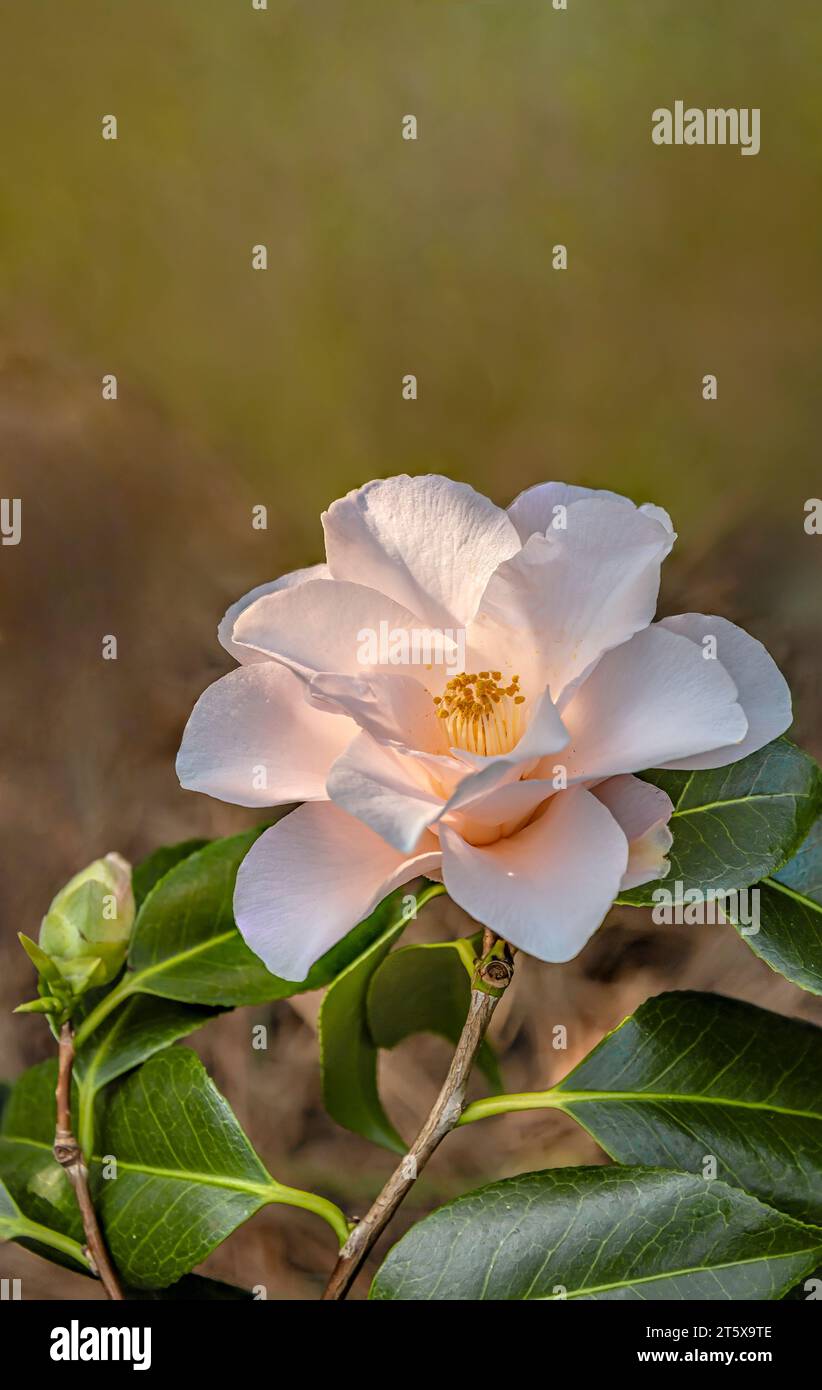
480 714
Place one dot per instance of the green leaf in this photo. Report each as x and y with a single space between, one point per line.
803 873
158 864
426 988
601 1233
142 1026
693 1076
789 938
347 1050
182 1162
15 1226
186 1175
27 1166
186 946
735 825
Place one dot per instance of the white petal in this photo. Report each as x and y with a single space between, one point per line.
477 806
386 790
311 878
428 542
571 594
643 812
255 725
535 509
763 690
393 709
323 625
649 702
247 655
547 888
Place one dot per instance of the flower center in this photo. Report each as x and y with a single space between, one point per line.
480 714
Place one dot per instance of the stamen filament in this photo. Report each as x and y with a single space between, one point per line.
480 714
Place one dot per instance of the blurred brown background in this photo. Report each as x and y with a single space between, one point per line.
283 387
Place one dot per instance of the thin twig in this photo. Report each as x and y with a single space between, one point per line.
492 974
70 1157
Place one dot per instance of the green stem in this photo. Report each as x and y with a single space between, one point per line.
310 1201
124 990
85 1118
32 1230
515 1100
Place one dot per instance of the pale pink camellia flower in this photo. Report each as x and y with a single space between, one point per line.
512 780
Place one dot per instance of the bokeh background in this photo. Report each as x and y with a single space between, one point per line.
283 388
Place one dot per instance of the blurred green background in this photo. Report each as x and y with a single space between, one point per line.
283 387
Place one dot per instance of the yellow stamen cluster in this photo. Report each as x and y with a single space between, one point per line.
481 715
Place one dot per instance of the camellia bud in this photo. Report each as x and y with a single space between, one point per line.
87 928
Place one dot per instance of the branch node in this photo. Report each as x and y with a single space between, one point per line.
69 1155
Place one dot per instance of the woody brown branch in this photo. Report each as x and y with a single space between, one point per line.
70 1157
449 1105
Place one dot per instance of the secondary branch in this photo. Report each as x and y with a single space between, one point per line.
492 977
70 1157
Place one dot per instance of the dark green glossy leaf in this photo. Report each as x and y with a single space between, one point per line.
790 917
695 1075
144 1025
601 1233
735 825
185 943
186 1175
14 1225
27 1166
158 864
803 873
691 1077
136 1030
426 988
347 1049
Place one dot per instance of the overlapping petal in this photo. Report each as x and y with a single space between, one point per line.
547 888
225 631
253 739
322 625
651 701
311 878
572 593
762 689
387 790
642 811
429 543
537 508
397 710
